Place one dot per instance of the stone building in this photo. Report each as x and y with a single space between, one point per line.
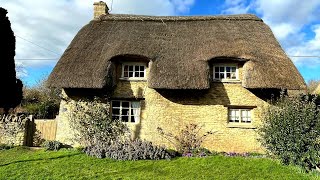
215 71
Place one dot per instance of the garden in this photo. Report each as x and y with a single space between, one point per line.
289 133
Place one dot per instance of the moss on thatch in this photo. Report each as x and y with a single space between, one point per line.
179 49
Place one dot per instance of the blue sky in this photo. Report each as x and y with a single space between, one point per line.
44 29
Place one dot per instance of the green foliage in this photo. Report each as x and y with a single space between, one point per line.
290 131
52 145
188 139
5 147
70 164
92 123
41 101
43 110
129 150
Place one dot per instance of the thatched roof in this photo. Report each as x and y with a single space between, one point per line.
179 49
317 90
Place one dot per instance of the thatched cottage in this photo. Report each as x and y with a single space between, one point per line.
216 71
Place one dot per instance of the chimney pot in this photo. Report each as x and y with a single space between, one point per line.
100 8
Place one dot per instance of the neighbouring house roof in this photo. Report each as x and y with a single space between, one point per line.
179 49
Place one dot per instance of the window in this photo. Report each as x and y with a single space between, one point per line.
240 115
225 72
126 111
133 71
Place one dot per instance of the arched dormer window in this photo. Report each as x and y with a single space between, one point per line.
131 67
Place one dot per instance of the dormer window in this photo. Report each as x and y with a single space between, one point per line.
225 72
133 71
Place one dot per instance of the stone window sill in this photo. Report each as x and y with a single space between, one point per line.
132 79
241 126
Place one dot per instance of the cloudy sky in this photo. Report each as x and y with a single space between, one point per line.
44 29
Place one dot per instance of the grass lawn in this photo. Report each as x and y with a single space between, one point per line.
21 163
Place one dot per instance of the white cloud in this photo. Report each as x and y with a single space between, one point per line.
236 7
309 48
53 24
288 20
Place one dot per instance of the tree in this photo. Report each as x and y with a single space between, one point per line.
11 88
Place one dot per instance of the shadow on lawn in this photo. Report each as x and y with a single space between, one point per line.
39 159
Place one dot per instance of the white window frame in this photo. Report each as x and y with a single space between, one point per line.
240 117
225 72
129 110
133 64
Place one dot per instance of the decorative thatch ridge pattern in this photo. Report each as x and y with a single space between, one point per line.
179 49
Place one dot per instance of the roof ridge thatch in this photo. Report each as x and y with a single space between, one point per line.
179 48
129 17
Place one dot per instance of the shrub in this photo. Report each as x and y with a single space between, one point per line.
290 131
52 145
188 140
129 150
92 123
41 101
5 147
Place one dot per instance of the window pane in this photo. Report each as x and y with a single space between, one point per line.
233 76
141 74
125 112
228 69
115 111
115 104
221 75
233 69
136 74
136 68
141 68
132 119
216 75
125 68
125 118
130 74
221 69
216 69
130 68
125 104
228 75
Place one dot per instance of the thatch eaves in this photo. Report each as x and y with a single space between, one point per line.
179 49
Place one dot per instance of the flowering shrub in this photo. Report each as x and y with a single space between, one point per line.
128 150
290 131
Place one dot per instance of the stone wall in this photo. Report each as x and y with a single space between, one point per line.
173 109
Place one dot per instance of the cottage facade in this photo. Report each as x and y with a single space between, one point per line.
168 72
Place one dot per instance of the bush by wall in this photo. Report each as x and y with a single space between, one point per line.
188 140
290 131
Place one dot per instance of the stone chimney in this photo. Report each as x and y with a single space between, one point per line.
100 8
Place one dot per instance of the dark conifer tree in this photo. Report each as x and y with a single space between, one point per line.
10 87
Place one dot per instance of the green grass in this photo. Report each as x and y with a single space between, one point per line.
22 163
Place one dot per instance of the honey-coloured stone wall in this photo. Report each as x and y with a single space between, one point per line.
172 110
